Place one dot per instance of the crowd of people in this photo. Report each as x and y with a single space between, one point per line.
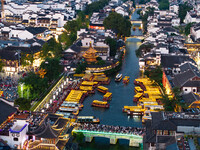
113 129
8 88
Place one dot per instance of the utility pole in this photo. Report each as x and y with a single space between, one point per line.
18 53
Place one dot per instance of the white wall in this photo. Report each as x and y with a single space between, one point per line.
188 129
22 135
189 89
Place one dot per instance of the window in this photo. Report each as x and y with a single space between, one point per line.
165 132
15 139
159 132
194 90
185 89
171 133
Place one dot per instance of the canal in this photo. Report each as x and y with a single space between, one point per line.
122 95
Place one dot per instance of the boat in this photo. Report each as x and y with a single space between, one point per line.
102 89
87 119
137 97
146 116
138 89
97 103
74 111
135 111
107 96
118 77
126 79
126 108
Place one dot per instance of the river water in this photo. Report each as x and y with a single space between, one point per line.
122 95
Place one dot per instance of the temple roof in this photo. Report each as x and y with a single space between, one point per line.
91 50
50 128
46 131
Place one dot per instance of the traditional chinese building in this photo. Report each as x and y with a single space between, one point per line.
90 55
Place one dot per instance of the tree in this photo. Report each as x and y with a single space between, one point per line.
24 104
117 23
183 9
52 67
187 28
100 62
143 1
95 6
171 103
34 83
1 65
51 49
72 26
112 44
26 59
144 17
155 74
81 67
163 4
143 49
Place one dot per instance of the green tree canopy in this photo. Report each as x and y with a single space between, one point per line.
51 49
163 4
1 65
143 49
117 23
95 6
144 17
52 67
171 103
143 1
26 59
183 9
34 83
187 28
81 68
24 104
155 74
72 26
112 44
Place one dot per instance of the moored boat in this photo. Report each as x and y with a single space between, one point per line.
138 89
118 77
137 97
97 103
102 89
107 96
126 79
87 119
74 111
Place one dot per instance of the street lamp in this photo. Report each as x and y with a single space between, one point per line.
18 52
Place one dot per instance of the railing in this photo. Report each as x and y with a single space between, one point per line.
49 91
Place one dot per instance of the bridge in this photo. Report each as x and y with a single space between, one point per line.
140 6
135 135
141 37
136 21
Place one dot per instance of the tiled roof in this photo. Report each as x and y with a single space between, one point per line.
172 61
190 98
5 111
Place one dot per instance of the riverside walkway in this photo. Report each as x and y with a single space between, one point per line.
133 134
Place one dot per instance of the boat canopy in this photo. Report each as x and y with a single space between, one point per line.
102 88
99 102
108 94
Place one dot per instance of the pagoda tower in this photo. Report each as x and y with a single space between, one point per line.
90 55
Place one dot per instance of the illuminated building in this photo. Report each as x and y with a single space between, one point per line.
90 55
